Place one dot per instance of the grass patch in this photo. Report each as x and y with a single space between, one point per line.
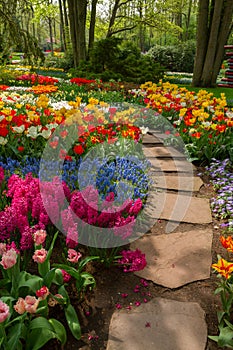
217 91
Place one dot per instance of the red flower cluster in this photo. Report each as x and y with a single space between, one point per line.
3 87
105 133
38 79
81 81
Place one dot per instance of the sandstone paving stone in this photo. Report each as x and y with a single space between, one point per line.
171 165
178 183
162 152
176 259
178 207
161 324
150 139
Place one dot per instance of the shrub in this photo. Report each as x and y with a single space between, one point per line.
110 59
179 58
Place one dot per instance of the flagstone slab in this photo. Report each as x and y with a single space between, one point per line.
161 324
171 165
178 207
178 183
150 139
176 259
162 152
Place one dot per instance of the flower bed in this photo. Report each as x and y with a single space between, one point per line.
35 202
71 171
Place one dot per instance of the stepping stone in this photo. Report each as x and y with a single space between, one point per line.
150 139
172 165
176 259
162 152
178 207
161 324
178 183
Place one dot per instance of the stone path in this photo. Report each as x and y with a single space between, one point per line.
172 256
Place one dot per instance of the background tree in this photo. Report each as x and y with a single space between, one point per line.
215 24
13 32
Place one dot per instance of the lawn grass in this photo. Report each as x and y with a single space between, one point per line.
217 91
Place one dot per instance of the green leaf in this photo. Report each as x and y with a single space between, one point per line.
30 281
63 292
88 279
229 324
220 315
4 282
14 336
39 337
40 322
58 278
73 321
225 337
48 279
59 329
87 260
213 337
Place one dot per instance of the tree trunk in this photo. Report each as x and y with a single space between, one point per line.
214 26
62 28
223 36
77 17
73 30
81 29
92 25
212 44
186 35
51 36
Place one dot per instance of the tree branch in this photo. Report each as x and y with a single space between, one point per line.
122 30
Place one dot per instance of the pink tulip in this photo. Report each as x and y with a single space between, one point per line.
39 237
31 304
40 255
4 311
52 301
2 248
66 276
20 306
73 256
9 259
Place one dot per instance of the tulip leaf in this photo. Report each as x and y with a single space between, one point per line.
59 329
14 336
42 330
73 321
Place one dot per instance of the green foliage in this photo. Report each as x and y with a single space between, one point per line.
225 337
109 59
177 58
65 62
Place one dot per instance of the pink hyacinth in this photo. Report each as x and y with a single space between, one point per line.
40 255
132 260
1 175
136 207
72 237
4 311
9 259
